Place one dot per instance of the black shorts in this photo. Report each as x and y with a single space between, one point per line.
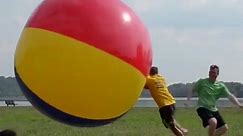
166 114
206 114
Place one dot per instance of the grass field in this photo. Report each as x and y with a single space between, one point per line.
27 121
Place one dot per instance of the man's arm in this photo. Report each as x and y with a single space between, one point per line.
235 101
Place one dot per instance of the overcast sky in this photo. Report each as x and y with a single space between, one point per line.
187 35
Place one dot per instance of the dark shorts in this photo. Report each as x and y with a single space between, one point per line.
206 114
166 114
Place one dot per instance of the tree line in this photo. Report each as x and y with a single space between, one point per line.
181 89
9 89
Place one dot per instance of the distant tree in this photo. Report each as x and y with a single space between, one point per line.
145 93
9 88
236 88
181 90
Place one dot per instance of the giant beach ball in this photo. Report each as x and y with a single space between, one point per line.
83 62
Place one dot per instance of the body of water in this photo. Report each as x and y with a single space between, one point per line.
182 102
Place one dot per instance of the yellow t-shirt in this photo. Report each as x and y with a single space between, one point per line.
159 91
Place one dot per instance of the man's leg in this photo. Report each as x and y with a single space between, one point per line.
220 131
212 124
210 120
166 114
183 130
222 127
175 129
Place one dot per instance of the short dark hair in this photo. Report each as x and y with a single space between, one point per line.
214 67
153 70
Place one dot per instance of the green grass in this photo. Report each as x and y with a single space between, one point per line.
27 121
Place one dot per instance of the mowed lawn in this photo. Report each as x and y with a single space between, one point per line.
27 121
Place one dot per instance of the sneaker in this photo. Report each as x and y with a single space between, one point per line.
184 131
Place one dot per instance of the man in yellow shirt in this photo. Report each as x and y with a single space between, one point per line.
165 101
